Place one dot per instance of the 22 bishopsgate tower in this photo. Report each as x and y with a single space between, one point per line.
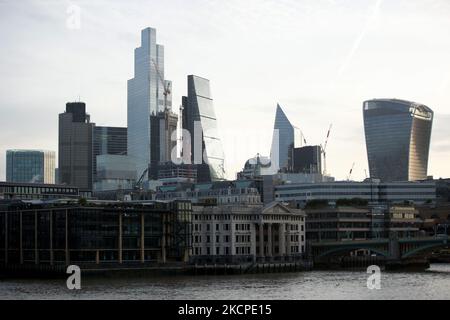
398 137
150 121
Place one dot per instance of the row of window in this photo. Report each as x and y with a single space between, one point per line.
198 239
207 251
198 227
37 190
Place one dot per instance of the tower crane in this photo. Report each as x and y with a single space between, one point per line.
324 150
351 171
302 135
166 84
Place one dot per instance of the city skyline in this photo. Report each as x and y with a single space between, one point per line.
314 80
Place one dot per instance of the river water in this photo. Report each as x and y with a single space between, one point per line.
431 284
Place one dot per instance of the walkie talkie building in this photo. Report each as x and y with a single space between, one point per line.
398 135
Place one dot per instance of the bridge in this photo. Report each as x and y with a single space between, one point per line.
391 249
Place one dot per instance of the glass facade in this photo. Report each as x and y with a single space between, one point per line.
198 107
145 98
30 166
307 159
289 137
108 140
113 234
398 135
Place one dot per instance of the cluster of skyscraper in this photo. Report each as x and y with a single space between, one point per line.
106 158
102 158
398 135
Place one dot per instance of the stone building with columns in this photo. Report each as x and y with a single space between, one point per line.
247 233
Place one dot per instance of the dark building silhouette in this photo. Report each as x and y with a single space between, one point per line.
162 126
75 155
307 159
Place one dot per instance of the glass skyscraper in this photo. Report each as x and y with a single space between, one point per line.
198 107
398 135
30 166
289 137
145 99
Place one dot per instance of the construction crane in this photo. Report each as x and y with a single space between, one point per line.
351 171
138 184
165 84
303 136
324 151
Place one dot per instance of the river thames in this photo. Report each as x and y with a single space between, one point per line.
331 285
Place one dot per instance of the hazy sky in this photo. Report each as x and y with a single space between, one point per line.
320 59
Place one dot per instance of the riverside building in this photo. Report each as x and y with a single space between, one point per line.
247 233
372 190
98 235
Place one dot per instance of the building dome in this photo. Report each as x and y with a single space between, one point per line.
258 162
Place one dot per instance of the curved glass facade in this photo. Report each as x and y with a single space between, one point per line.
398 135
198 107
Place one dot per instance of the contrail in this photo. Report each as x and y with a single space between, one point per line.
361 36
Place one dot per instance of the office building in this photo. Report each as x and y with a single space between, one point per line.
148 96
99 235
338 224
30 166
169 171
346 223
198 109
398 137
307 160
114 172
247 233
220 192
373 191
286 137
163 129
108 141
75 147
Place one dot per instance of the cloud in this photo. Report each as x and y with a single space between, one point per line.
256 53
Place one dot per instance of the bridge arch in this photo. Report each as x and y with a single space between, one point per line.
338 250
427 247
